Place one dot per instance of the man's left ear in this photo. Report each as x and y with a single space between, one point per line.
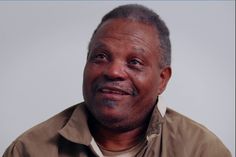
164 78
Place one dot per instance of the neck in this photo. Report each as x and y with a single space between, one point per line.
112 140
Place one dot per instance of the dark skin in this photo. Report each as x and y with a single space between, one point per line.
122 80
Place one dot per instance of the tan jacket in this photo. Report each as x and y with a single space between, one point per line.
67 135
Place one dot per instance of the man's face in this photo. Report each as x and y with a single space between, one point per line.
122 78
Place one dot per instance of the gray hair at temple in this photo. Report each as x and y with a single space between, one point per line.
145 15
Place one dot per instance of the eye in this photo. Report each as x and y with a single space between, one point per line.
136 64
98 57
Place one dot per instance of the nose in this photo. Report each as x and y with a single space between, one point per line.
115 71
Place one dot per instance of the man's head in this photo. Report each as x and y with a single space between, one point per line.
139 13
127 67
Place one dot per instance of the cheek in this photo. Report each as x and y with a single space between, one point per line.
90 72
88 78
147 82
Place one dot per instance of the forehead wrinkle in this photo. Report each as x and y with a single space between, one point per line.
135 31
137 39
101 41
138 49
101 45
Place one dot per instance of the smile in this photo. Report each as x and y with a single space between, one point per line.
113 90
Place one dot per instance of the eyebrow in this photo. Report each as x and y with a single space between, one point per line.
138 49
99 45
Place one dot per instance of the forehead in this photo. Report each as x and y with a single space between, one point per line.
129 32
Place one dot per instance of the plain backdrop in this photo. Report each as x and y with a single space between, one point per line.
43 48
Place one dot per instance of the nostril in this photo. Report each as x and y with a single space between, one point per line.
110 77
115 72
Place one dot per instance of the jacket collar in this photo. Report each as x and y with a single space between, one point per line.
76 129
157 119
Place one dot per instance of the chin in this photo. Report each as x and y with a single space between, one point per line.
119 126
117 122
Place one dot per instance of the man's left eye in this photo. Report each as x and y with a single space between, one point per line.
134 62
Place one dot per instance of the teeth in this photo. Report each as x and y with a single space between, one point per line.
111 91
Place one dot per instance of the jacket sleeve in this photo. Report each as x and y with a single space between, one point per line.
215 148
16 149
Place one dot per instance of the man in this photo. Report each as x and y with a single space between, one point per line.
127 69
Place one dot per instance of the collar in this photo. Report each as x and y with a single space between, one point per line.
76 129
157 119
161 105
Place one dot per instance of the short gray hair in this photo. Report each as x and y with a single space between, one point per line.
145 15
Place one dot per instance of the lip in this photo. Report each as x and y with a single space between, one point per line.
112 93
113 90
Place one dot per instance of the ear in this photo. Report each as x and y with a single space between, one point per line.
165 75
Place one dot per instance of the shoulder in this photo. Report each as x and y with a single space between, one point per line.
193 136
48 128
44 134
178 121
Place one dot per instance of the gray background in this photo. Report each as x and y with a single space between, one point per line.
43 48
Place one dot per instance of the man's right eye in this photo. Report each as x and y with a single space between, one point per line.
98 57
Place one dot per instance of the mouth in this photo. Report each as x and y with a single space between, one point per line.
113 91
